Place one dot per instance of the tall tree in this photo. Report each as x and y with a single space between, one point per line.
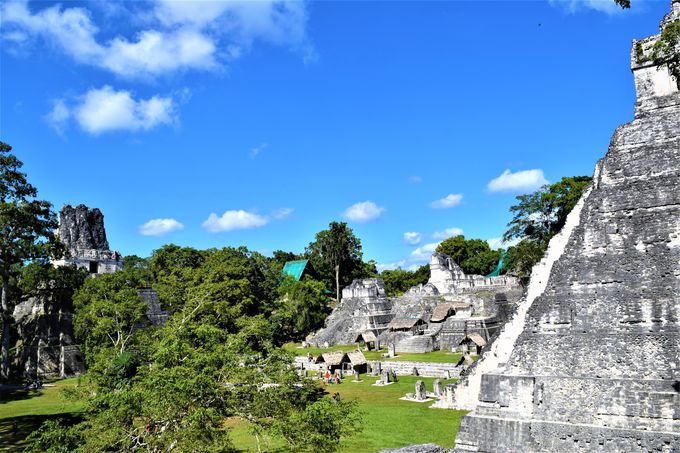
26 233
542 214
108 311
337 248
537 218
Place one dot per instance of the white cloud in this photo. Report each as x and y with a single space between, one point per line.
391 266
283 213
448 201
160 227
521 181
573 6
447 233
157 52
59 116
181 35
253 153
234 220
415 179
363 212
412 238
106 110
423 253
70 29
278 21
497 243
243 220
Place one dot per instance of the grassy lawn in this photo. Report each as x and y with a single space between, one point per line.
388 421
434 356
30 408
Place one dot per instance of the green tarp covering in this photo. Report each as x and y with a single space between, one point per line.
496 272
295 268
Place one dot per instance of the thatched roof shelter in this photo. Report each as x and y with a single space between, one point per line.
441 312
330 358
367 337
356 358
404 323
477 339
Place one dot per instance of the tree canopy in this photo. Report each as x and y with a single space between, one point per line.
336 252
218 357
26 234
398 281
540 215
474 256
537 218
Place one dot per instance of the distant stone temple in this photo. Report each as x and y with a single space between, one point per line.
440 314
81 230
591 360
47 346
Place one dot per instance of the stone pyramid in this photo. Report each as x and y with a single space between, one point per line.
593 363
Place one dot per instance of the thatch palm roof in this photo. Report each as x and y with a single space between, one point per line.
367 337
356 358
403 323
330 358
441 312
477 339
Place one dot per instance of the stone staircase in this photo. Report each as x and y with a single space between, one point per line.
467 392
416 344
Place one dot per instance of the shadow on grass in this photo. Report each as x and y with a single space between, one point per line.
13 431
14 393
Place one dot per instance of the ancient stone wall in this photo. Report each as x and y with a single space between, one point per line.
46 344
402 368
365 307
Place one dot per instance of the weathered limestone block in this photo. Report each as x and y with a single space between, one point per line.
596 364
438 388
420 394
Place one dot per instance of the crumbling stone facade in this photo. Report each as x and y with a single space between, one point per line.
81 230
596 365
437 315
46 344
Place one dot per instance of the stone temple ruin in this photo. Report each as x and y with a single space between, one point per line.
44 322
591 360
445 313
81 230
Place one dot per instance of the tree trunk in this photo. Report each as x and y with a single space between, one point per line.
337 283
4 361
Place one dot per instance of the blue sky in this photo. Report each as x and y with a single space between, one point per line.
211 124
